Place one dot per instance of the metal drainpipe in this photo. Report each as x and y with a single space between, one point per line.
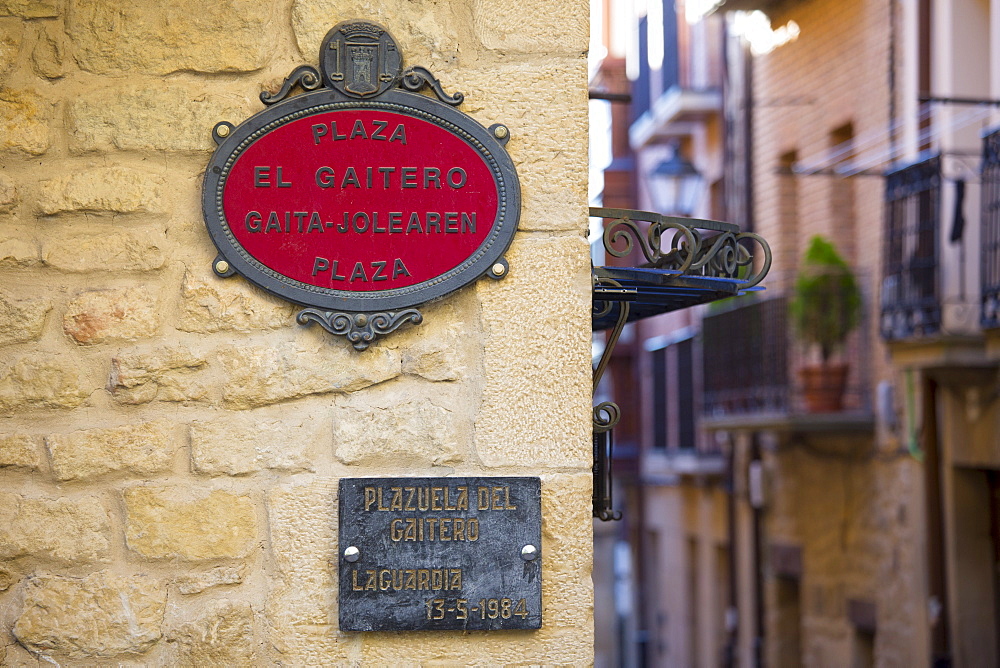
748 134
758 561
732 614
748 186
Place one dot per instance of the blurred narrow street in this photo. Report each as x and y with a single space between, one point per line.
808 474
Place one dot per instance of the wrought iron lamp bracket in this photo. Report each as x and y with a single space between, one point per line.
606 414
688 261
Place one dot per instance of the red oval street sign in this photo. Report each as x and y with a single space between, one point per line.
361 205
357 197
360 200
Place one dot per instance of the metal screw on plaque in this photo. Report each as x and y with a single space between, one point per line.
222 266
529 552
500 132
499 269
352 554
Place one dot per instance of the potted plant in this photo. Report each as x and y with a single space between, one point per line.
824 309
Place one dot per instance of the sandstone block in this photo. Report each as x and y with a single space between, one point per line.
100 615
49 55
73 531
547 116
167 118
22 319
547 647
139 449
195 583
19 450
42 381
301 601
24 121
566 512
7 578
548 291
216 305
567 531
258 375
125 314
221 636
120 250
18 249
29 9
103 189
179 523
242 444
395 429
523 26
8 193
11 33
434 360
439 349
169 373
160 38
302 518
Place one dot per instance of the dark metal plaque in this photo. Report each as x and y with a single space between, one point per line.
422 554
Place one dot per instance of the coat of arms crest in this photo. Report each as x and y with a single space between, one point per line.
360 59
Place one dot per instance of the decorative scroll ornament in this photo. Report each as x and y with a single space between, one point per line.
694 246
605 308
607 414
416 78
361 191
306 77
359 328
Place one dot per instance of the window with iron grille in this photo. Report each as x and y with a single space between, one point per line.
660 398
991 230
673 416
686 437
911 300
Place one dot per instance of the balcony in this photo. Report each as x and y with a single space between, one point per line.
677 113
750 373
911 281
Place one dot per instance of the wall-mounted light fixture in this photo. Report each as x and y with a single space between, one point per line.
675 184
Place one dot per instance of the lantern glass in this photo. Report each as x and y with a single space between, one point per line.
675 185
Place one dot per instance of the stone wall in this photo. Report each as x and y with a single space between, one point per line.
170 442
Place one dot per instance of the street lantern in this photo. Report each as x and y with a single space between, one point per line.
675 185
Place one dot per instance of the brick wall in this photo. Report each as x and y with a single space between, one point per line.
170 442
851 502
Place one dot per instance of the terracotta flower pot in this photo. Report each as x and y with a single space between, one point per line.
823 387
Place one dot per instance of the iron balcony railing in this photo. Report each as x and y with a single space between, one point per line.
911 281
990 240
745 359
750 362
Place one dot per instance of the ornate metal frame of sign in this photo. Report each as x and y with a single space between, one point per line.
362 197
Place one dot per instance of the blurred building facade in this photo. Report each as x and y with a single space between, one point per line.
757 531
